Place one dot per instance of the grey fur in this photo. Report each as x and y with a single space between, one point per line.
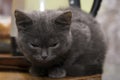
74 49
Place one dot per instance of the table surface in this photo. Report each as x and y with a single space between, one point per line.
26 76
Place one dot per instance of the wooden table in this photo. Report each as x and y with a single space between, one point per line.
26 76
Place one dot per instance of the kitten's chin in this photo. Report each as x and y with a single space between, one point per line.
39 62
42 63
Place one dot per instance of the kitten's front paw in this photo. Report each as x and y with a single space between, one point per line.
37 71
57 73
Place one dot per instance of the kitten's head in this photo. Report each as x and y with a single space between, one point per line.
43 36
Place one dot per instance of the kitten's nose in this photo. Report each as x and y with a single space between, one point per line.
44 54
44 57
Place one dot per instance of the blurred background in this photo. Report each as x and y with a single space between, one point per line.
108 16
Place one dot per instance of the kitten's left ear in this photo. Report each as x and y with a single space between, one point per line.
64 18
22 18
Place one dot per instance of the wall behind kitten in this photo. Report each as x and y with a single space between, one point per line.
109 17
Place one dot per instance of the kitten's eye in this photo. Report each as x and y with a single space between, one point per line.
33 45
56 44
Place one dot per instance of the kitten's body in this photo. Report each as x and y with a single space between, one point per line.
81 48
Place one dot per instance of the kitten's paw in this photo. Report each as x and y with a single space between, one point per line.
57 73
37 72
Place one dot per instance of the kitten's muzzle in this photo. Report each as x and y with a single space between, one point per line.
44 57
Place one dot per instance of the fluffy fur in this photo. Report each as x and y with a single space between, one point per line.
61 42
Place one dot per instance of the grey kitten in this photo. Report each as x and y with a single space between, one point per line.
61 42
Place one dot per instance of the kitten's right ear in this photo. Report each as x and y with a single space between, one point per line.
22 19
64 18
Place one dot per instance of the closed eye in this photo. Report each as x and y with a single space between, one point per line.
56 44
33 45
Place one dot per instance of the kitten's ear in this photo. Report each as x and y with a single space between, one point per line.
22 19
64 18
